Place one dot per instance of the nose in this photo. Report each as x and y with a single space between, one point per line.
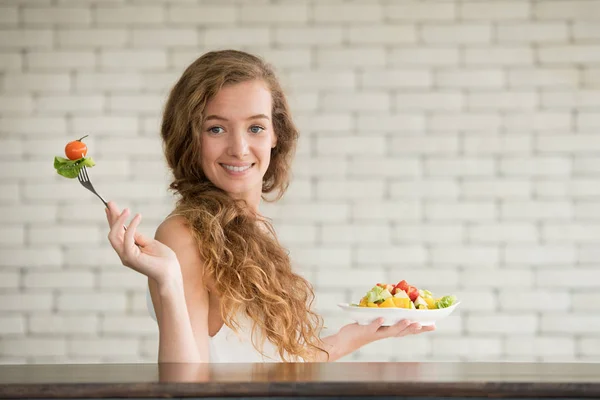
238 145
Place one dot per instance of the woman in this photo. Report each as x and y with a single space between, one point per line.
221 285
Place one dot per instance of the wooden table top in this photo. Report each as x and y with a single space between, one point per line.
302 379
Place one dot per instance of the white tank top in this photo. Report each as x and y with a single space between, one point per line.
227 347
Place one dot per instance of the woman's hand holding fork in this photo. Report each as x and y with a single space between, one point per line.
142 254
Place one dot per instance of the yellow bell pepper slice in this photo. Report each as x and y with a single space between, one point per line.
388 303
430 302
401 302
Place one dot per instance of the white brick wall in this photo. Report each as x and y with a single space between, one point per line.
453 144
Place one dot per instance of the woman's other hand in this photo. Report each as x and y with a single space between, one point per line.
352 337
138 252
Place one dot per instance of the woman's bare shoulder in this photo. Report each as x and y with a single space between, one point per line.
176 233
174 223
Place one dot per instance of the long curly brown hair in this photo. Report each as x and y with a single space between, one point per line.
251 270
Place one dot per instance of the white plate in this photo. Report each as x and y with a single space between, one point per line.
366 315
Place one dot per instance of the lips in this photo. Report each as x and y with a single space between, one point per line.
237 168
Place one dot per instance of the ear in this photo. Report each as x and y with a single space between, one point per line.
274 141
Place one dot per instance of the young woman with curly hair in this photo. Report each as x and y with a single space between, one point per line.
222 287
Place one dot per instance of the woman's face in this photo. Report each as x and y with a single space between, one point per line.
237 138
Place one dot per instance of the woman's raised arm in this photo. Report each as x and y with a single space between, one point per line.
183 306
172 263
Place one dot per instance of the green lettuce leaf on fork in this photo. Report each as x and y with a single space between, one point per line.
70 168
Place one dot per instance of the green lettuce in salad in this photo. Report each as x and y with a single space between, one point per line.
70 168
378 294
445 301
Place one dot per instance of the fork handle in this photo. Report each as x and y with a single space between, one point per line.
106 205
104 201
100 197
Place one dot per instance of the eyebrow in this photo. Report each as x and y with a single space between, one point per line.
219 118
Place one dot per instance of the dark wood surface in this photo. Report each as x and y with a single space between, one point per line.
516 380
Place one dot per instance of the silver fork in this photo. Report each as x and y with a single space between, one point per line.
84 179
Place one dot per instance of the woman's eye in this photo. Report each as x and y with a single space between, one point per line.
256 129
216 130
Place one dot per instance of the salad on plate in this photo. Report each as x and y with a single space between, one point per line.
403 295
398 302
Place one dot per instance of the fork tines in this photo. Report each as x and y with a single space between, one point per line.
83 175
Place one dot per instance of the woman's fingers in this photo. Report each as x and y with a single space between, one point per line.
142 240
129 239
400 328
376 325
116 230
403 328
119 224
390 331
112 213
415 328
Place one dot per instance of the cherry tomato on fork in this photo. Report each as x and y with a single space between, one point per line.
76 149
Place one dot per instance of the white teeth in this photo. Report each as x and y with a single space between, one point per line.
236 169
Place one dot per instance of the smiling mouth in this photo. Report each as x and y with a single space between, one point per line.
233 168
